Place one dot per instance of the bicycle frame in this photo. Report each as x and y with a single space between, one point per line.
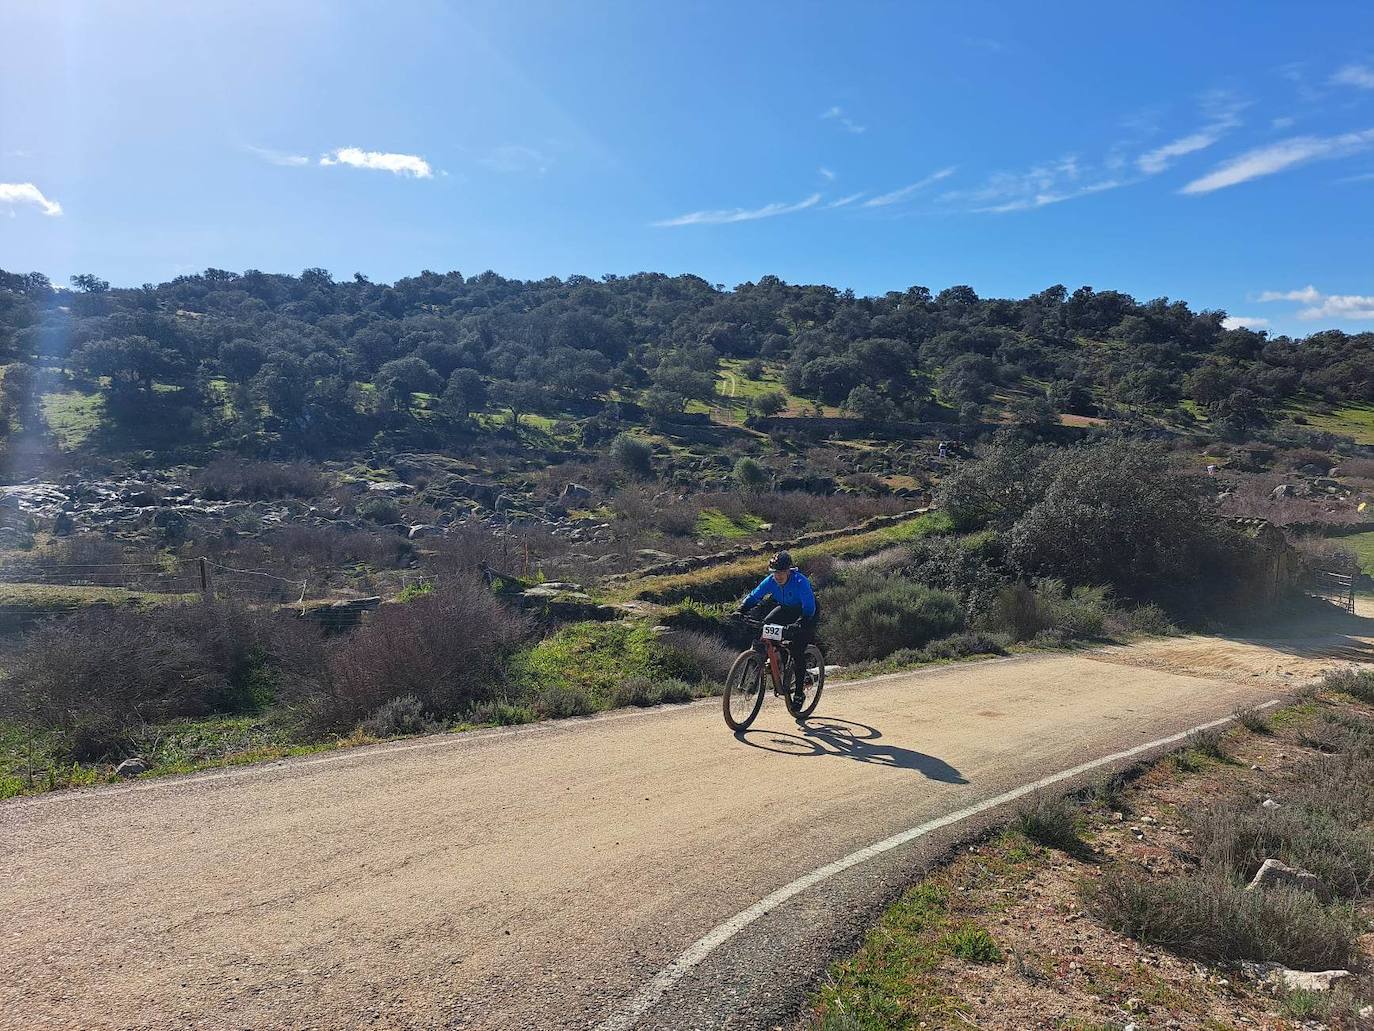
774 652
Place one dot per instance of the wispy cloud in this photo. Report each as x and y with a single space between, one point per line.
850 199
1155 161
277 157
1244 322
1276 157
1362 177
1325 306
826 174
884 199
1307 295
515 157
1041 185
15 194
1222 110
399 164
837 115
1286 122
724 216
1358 75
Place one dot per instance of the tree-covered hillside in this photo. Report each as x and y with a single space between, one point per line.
305 363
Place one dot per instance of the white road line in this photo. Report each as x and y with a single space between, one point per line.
639 1003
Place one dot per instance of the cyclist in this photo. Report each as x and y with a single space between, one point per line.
794 606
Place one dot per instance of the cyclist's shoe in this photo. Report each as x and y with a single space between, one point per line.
798 698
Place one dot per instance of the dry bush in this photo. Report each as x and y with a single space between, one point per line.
1299 457
1239 835
1327 553
94 678
1357 468
232 477
1209 917
448 649
696 655
1050 820
1254 497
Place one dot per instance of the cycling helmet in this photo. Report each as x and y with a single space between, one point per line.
782 560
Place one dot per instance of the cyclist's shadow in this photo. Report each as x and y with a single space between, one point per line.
850 740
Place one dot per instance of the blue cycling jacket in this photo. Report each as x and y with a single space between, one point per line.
797 591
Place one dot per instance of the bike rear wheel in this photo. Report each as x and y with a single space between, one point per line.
813 681
743 691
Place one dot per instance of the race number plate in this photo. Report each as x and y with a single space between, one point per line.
772 632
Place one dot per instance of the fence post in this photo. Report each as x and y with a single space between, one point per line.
204 579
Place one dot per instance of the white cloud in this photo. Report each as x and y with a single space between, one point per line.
1325 306
1157 160
277 157
1276 157
1358 75
1287 122
1037 187
826 174
1362 177
1307 295
400 164
882 200
1244 322
845 200
1341 306
27 193
836 114
1222 110
725 216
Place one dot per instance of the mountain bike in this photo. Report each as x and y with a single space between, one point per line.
769 657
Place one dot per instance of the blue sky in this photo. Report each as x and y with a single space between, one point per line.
1221 153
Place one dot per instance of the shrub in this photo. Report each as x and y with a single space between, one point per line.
962 645
645 692
1209 917
696 655
399 717
869 619
633 455
1208 742
1237 836
1016 610
1050 820
502 714
379 510
972 943
1359 684
770 402
94 678
1151 620
749 474
231 477
560 701
416 590
448 649
1252 719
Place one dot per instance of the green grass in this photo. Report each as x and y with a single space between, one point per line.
714 523
73 416
899 977
590 659
1362 544
714 583
1355 420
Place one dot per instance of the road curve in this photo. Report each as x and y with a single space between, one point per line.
539 877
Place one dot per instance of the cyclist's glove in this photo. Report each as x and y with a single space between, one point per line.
793 628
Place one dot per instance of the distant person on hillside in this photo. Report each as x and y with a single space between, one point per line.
944 450
794 606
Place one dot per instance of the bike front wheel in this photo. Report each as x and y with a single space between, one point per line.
813 682
743 691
